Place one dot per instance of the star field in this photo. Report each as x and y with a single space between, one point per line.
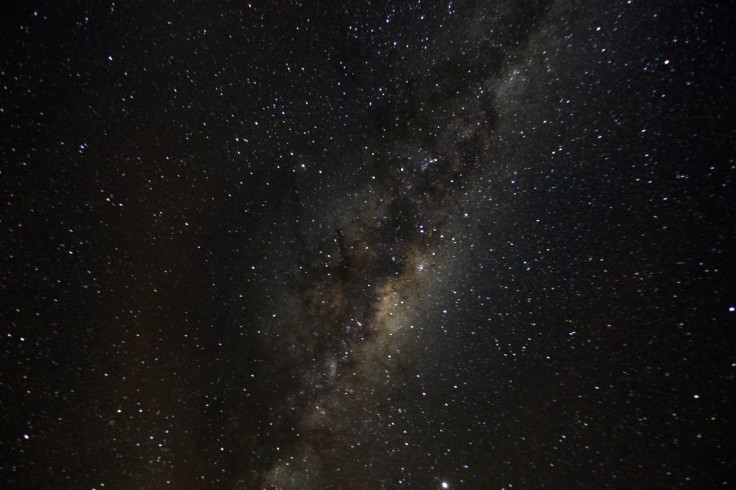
459 244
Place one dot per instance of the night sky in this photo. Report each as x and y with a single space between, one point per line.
376 244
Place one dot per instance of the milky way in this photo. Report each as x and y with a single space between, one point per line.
376 244
362 315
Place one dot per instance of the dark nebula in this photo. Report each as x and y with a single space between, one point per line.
283 244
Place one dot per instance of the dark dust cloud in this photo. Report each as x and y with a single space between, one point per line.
376 244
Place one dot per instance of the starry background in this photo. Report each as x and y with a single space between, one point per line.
381 244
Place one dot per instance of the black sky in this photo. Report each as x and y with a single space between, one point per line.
466 244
